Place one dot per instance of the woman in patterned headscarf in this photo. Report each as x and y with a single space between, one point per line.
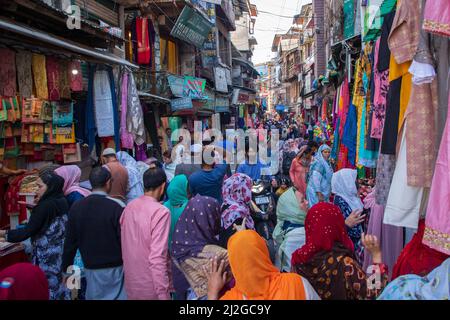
236 194
194 243
328 261
320 174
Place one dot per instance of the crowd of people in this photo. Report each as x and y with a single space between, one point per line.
185 231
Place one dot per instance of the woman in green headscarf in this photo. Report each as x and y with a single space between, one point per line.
289 233
178 199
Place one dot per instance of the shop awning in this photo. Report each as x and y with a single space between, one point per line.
63 43
152 96
247 64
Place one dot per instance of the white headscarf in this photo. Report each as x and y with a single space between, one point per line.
343 185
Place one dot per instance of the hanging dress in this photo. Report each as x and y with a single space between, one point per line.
103 105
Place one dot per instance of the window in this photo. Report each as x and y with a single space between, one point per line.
169 56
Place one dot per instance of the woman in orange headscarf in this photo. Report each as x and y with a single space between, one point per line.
255 276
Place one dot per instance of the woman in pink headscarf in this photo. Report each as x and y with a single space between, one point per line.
72 190
300 168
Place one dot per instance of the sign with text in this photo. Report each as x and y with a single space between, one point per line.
194 87
192 27
221 79
180 104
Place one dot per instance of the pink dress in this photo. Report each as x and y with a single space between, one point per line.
437 221
437 17
145 226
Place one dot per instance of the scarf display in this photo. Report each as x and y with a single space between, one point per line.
24 73
7 72
40 76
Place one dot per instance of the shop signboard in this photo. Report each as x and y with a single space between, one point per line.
180 104
187 87
209 49
221 79
222 103
176 85
210 100
192 27
194 87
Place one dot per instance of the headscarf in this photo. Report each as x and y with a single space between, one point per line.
416 257
198 226
48 168
343 185
236 194
256 277
71 175
320 164
55 185
434 286
178 199
23 281
324 225
135 182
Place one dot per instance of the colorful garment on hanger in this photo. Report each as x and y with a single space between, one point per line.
7 72
403 207
380 95
437 222
64 81
135 116
125 136
437 17
76 76
52 66
104 111
24 73
144 50
40 76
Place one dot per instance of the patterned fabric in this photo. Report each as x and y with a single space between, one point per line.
126 138
236 194
47 254
135 116
355 232
421 134
434 286
198 226
385 173
76 80
437 231
53 78
24 73
405 31
135 178
319 179
7 73
64 80
437 17
335 275
380 97
324 226
40 76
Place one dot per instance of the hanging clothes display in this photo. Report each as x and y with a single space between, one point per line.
40 76
437 17
437 222
64 81
7 72
126 138
24 73
143 37
135 116
404 202
52 78
103 106
76 76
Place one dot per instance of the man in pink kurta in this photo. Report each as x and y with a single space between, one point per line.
145 225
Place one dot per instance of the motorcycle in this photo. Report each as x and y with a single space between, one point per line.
263 213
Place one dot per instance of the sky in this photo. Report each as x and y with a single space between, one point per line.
267 25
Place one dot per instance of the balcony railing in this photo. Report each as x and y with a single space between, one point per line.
154 83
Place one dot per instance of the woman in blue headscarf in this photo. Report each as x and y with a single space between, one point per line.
320 174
